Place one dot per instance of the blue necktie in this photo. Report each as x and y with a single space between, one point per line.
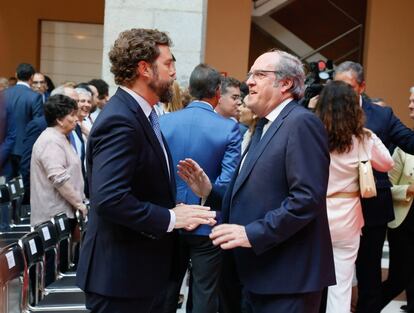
153 117
72 141
257 135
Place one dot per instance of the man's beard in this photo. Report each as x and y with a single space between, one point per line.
163 89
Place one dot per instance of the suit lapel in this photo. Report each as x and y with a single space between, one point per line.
261 146
367 111
146 126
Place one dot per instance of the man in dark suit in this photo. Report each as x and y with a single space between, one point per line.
7 140
127 254
187 132
275 206
26 105
377 211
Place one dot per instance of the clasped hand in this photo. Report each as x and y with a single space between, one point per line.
191 216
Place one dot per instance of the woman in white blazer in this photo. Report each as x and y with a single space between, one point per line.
401 231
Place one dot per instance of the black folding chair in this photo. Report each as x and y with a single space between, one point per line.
12 268
36 299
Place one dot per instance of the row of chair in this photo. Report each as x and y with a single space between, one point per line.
12 210
25 261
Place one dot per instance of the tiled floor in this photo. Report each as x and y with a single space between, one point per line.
393 307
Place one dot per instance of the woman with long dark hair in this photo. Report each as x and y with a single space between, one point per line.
338 108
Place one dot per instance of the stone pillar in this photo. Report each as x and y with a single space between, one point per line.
183 20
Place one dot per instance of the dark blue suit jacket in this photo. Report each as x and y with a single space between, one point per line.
383 122
127 251
7 143
280 197
211 140
32 132
26 105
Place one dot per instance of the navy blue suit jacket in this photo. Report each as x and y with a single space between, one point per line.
383 122
32 132
26 105
279 195
127 251
211 140
7 143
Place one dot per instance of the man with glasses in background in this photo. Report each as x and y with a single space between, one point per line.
40 86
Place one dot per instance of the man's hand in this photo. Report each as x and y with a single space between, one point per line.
230 236
191 216
195 177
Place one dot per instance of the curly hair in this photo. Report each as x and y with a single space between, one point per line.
132 46
338 108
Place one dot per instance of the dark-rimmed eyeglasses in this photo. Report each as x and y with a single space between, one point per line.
259 74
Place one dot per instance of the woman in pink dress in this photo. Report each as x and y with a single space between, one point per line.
339 109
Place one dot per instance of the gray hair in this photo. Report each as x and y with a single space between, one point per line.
60 90
356 68
292 68
412 89
83 91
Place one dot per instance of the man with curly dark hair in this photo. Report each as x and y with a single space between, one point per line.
127 253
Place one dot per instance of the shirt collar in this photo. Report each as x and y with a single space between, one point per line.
205 102
276 111
23 83
145 106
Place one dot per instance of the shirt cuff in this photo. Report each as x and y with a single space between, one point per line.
172 222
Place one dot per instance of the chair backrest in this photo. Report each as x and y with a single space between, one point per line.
34 255
32 248
13 186
48 234
4 194
61 222
12 263
12 266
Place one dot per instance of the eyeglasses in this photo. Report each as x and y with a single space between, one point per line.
259 74
40 82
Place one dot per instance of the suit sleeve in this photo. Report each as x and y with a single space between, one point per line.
10 137
37 107
231 156
307 171
399 191
116 152
32 132
400 135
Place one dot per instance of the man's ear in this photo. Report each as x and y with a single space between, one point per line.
143 69
361 87
218 94
286 85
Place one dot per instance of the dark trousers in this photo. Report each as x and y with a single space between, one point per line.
401 268
230 289
15 166
368 269
287 303
103 304
206 268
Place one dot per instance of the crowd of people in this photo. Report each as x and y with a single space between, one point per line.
256 194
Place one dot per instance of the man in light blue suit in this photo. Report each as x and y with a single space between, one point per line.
199 133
